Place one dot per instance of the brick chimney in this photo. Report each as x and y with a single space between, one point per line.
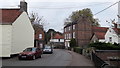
23 5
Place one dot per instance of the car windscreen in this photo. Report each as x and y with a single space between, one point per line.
29 50
48 47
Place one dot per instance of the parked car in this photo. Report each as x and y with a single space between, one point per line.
30 53
48 49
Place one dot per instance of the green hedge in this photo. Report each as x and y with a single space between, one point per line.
105 46
78 50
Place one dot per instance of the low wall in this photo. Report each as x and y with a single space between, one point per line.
108 54
111 56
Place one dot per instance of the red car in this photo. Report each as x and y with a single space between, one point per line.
30 53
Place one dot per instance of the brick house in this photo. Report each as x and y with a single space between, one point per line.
39 37
80 30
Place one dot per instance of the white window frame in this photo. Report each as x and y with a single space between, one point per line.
110 39
73 34
69 36
40 36
73 26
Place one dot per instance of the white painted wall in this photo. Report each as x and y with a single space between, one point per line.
111 34
101 40
56 40
5 40
23 34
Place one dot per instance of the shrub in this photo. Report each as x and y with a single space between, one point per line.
78 50
72 43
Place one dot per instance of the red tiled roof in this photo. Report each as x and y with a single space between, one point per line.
9 15
100 32
58 36
100 35
99 29
117 30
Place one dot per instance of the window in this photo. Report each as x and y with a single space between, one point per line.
69 28
73 26
65 29
40 36
65 36
110 39
69 36
73 34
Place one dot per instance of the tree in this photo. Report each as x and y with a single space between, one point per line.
37 21
76 15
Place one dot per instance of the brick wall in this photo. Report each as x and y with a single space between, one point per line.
106 54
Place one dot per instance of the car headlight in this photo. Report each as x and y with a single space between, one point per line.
20 54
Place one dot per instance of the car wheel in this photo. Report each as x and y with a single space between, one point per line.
40 56
33 57
19 58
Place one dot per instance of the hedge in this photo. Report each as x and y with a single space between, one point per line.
78 50
105 46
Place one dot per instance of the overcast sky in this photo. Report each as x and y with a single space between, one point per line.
54 12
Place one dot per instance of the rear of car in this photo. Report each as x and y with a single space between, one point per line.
48 49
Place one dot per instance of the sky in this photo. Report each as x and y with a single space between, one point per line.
54 12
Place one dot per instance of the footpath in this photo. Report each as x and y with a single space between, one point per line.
80 60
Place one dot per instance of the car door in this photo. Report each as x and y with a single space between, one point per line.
38 52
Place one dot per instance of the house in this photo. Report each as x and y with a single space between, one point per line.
80 30
57 40
16 31
98 34
113 35
39 37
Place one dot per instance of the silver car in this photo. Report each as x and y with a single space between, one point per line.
48 49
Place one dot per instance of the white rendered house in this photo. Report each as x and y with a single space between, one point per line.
113 35
16 32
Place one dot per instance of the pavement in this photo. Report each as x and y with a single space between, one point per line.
80 60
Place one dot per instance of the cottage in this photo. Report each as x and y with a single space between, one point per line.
16 31
98 34
113 35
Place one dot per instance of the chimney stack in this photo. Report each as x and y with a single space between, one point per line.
23 5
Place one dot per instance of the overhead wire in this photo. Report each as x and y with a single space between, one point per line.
106 8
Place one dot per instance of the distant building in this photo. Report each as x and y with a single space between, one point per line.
57 40
39 37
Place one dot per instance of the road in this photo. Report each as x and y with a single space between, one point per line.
58 58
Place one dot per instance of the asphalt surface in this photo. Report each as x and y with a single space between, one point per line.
58 58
